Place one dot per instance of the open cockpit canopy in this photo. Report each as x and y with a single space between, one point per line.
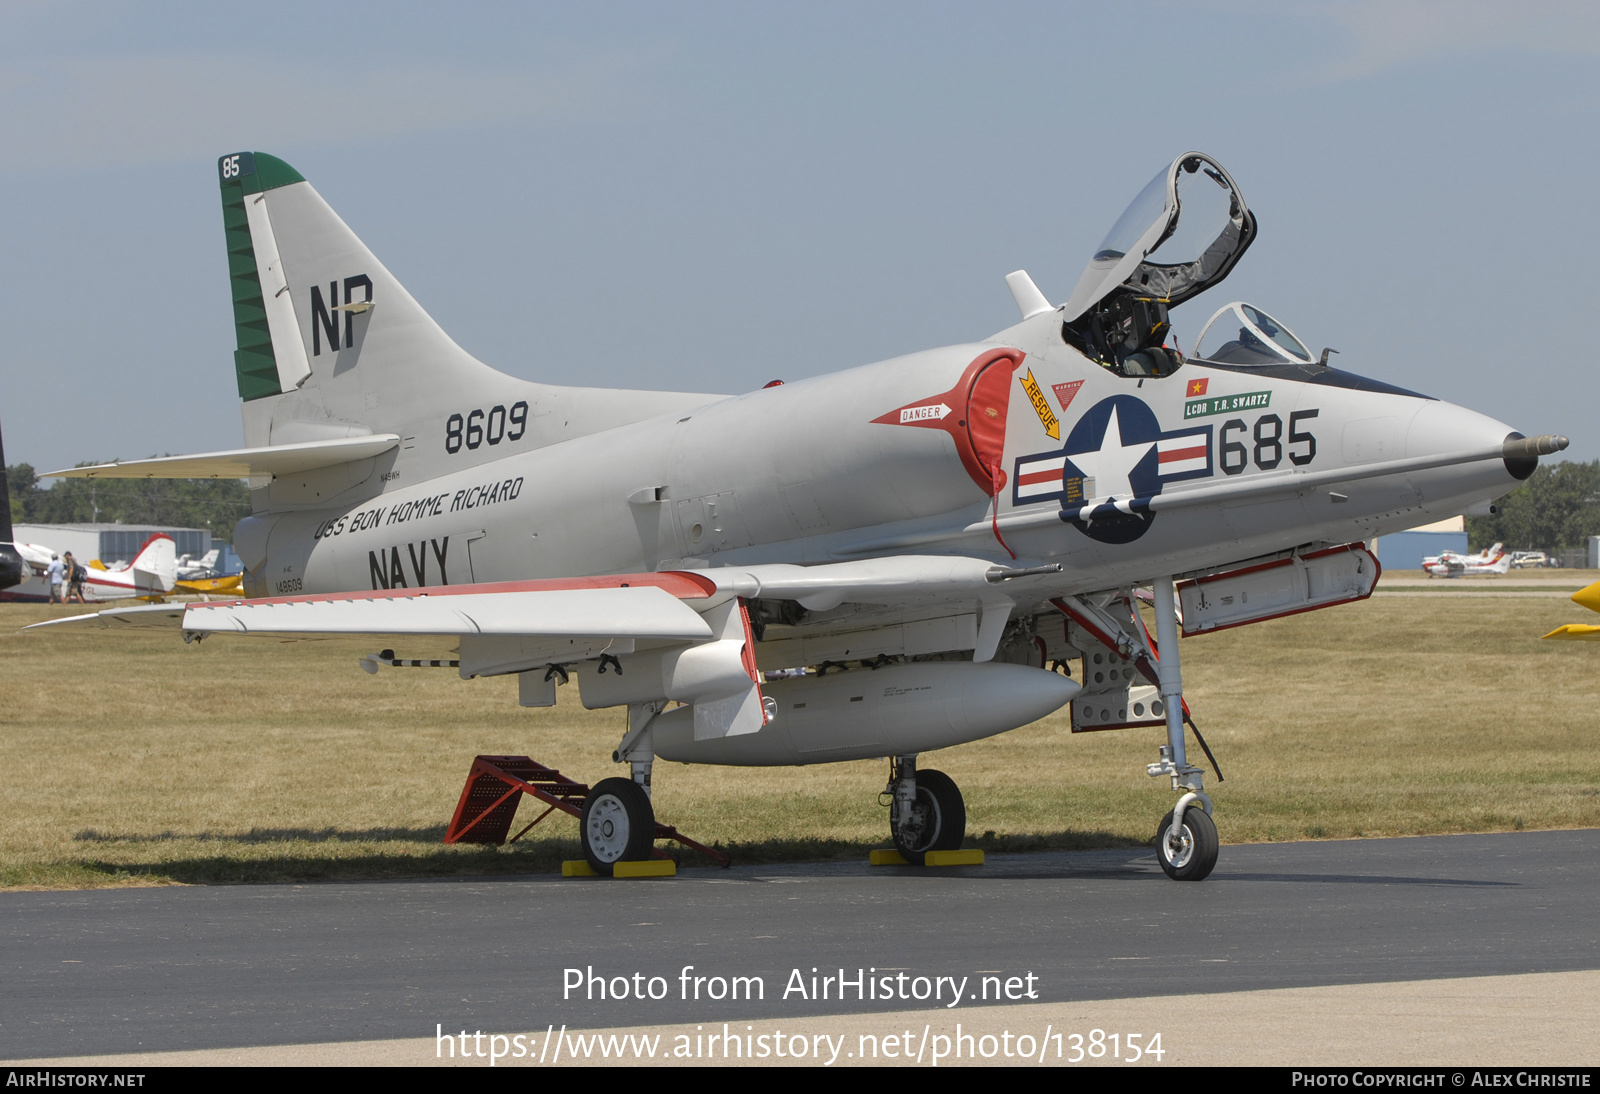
1183 234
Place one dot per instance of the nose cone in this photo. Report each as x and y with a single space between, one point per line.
1441 428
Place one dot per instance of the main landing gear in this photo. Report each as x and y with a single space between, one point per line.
926 812
1186 839
618 823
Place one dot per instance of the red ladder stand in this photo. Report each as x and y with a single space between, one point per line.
495 786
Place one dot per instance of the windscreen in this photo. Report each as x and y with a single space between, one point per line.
1243 334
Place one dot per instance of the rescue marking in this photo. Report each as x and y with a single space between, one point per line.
1047 417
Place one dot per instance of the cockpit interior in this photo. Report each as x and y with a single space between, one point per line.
1182 235
1185 231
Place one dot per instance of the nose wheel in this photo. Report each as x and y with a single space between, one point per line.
936 819
1190 852
617 824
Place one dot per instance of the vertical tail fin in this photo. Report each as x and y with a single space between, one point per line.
155 567
330 344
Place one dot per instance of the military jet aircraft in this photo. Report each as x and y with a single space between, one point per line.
926 536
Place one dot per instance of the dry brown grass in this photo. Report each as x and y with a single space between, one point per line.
132 759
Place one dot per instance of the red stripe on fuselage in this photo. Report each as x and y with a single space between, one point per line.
1034 477
1198 452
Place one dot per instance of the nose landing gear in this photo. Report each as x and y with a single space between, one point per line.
1189 852
1186 839
927 812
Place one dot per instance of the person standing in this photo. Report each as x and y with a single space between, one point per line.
75 579
54 573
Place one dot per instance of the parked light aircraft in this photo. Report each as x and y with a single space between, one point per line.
215 572
1494 560
928 534
151 574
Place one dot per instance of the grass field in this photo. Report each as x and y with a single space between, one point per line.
133 759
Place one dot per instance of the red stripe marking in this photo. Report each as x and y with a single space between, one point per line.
1196 453
1033 477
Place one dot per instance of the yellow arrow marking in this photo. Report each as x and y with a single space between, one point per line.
1040 407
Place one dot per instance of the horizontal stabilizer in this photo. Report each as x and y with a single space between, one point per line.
240 463
1576 630
142 615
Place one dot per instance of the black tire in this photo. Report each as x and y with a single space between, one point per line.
1196 855
938 818
617 824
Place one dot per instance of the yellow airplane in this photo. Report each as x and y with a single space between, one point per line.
207 586
1589 598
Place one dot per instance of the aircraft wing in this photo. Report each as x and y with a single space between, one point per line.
649 606
685 636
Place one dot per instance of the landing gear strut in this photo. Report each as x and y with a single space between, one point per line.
1186 840
618 822
927 813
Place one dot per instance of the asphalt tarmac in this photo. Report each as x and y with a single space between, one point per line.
157 970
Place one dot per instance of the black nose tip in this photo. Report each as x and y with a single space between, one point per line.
1522 453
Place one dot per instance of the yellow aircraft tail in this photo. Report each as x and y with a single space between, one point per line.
1589 598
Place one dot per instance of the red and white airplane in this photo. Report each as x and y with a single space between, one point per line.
1495 560
151 573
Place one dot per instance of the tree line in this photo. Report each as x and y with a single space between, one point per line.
217 504
1557 507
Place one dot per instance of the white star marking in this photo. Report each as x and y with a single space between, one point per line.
1111 464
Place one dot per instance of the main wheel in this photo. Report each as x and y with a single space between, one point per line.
617 825
1190 855
938 818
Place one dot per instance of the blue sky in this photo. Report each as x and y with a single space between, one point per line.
708 196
